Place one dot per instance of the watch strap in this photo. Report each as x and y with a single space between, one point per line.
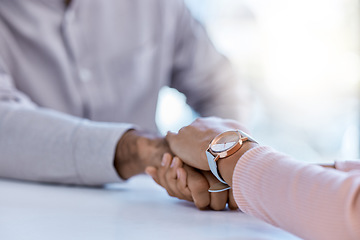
222 185
219 187
213 166
249 138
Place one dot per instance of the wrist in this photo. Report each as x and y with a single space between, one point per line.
227 165
136 150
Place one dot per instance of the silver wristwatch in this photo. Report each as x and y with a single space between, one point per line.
222 146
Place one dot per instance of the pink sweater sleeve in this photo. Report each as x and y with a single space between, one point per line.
306 200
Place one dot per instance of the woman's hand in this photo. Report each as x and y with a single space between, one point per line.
192 141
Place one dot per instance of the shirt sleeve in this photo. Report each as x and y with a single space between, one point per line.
308 200
347 166
39 144
204 75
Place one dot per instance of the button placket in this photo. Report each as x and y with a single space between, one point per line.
74 43
69 16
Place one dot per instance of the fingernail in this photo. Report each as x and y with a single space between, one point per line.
174 162
164 160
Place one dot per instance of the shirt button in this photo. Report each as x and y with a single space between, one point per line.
85 74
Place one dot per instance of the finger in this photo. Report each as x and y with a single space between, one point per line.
152 171
171 178
171 174
198 186
231 202
175 164
182 177
182 185
168 177
218 200
162 170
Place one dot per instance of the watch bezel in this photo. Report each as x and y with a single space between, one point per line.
229 151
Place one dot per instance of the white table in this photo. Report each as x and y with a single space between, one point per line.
138 209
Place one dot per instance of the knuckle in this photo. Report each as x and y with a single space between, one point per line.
218 206
181 187
233 206
171 193
182 197
218 201
182 130
201 204
198 120
167 176
201 201
198 187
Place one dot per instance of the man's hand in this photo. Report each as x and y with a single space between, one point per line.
192 141
187 183
136 150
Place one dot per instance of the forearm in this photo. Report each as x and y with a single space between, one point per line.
309 201
227 165
44 145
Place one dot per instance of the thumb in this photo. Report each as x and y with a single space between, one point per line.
170 136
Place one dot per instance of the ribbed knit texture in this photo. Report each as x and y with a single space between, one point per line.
307 200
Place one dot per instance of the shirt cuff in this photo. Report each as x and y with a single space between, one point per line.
94 151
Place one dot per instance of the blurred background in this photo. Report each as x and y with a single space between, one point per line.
301 61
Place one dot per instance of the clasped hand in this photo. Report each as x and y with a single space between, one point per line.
186 175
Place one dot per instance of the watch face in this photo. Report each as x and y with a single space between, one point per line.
225 141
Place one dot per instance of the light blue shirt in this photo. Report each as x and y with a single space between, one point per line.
73 80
